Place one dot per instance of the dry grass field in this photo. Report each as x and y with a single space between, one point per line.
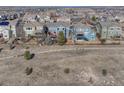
74 67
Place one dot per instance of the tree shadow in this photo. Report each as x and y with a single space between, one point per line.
28 70
32 55
12 47
1 49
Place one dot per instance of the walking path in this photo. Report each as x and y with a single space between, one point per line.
68 49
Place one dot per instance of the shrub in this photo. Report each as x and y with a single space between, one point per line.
27 55
103 41
67 70
98 35
61 38
28 71
26 47
48 41
93 18
90 80
1 49
104 72
11 46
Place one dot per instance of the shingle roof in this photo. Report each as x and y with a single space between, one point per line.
58 24
108 24
80 25
33 24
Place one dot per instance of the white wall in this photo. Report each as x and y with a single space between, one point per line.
6 34
29 32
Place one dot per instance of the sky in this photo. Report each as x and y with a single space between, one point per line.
61 3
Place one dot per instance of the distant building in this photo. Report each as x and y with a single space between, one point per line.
76 19
63 19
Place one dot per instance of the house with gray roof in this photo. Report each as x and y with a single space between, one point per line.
5 31
109 30
30 28
56 27
84 32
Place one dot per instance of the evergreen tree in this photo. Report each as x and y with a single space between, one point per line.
93 18
61 39
27 55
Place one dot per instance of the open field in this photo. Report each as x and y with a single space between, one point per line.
64 65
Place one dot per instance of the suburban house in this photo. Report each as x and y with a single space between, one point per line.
5 31
55 28
29 17
76 19
63 19
109 30
84 32
4 25
43 18
30 28
120 18
6 34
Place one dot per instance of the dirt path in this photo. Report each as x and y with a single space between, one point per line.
68 49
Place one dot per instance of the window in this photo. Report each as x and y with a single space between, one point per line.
57 28
110 32
79 34
5 36
29 28
111 28
92 37
118 28
86 30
